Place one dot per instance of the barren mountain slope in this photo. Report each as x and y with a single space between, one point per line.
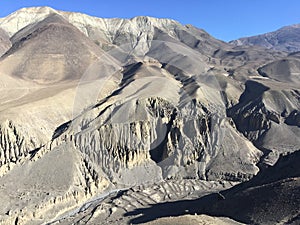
49 51
101 118
283 39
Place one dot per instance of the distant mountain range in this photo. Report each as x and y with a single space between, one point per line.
107 120
284 39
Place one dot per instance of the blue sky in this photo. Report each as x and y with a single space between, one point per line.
224 19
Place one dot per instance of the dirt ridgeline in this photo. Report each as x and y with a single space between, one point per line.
193 220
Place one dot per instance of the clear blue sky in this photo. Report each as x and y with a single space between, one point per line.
224 19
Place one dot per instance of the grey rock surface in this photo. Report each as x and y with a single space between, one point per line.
5 43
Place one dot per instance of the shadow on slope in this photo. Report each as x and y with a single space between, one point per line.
272 196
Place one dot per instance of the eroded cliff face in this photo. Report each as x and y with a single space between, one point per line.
5 43
13 146
94 153
185 141
47 184
264 110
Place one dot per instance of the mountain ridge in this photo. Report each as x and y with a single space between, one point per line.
284 39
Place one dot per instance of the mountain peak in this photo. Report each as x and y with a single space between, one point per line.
39 9
295 25
153 19
23 17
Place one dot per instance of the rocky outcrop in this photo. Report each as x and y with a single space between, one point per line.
15 144
5 43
